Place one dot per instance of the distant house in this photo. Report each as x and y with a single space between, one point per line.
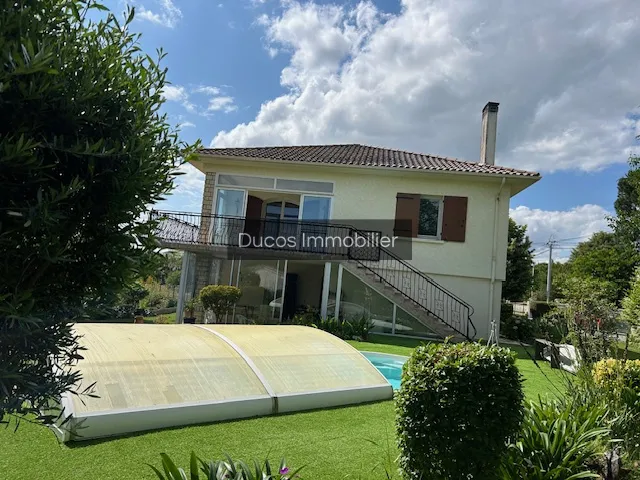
442 276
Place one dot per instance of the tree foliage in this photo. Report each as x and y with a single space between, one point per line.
631 302
626 224
560 274
519 276
84 151
606 257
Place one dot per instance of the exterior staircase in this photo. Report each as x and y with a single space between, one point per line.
404 301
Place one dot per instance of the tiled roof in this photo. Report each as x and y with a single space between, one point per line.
365 156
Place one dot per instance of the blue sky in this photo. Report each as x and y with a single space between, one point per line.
415 75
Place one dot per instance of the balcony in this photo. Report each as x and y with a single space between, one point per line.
265 237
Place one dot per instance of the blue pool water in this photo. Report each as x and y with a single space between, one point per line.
388 365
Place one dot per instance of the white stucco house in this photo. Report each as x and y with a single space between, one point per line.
436 231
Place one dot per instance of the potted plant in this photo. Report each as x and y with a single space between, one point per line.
190 310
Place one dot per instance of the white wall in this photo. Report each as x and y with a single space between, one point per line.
362 193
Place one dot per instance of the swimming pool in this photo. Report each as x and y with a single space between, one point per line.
388 365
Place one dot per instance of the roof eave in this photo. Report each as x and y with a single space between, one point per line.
522 181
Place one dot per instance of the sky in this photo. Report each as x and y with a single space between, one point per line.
415 75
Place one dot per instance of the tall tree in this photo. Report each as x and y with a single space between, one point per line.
84 151
626 224
519 278
608 257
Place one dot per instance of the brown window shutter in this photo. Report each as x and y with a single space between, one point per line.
454 219
407 213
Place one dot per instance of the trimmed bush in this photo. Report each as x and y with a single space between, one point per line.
220 299
456 408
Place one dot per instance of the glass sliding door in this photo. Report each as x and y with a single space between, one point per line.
262 284
315 215
229 216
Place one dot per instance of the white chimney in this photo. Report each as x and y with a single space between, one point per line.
489 130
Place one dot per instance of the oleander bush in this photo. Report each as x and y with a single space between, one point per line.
457 407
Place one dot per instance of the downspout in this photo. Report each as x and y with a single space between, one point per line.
494 253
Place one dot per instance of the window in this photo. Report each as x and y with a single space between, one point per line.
443 218
245 181
429 219
304 186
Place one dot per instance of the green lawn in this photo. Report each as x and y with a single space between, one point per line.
537 381
333 444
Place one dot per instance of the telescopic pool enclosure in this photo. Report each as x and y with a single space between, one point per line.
156 376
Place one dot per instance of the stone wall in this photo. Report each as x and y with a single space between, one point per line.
207 205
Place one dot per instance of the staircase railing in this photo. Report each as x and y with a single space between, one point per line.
386 266
422 290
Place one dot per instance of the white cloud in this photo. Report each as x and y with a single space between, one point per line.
418 79
221 103
168 16
567 226
186 125
174 93
187 196
215 100
206 89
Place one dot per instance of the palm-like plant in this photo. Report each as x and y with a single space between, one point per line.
557 442
227 469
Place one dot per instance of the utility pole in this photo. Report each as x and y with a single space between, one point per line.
550 243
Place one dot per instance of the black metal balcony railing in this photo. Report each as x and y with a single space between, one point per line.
195 229
281 235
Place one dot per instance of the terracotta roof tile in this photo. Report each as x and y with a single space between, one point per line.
365 156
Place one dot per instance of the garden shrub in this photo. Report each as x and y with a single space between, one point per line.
220 299
538 309
613 375
557 441
457 406
506 311
518 327
604 384
155 299
552 326
347 329
226 469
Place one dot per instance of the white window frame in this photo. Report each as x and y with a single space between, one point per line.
440 200
273 189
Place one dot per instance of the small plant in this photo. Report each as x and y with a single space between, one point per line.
190 307
456 408
220 299
558 441
227 469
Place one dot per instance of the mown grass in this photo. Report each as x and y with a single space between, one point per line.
333 443
539 379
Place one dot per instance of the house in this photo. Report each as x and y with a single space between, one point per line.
415 242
